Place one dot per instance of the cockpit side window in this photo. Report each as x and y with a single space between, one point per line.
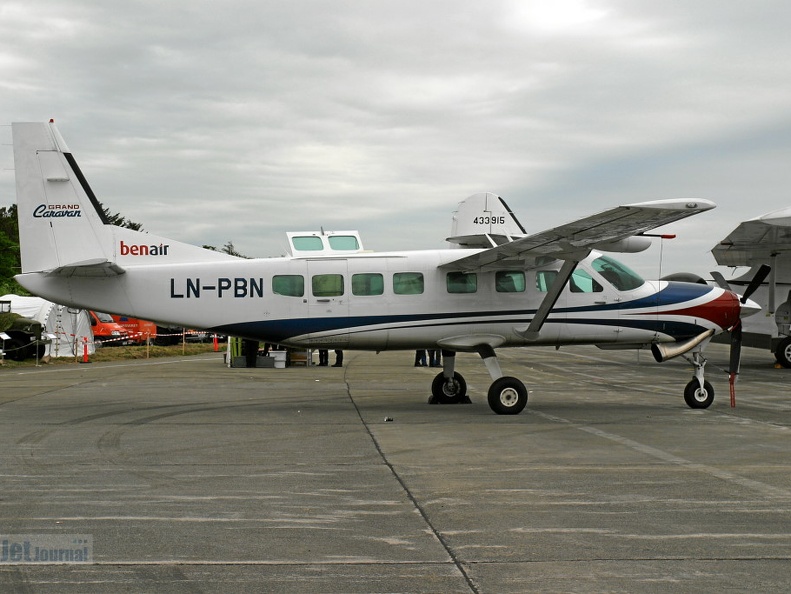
617 274
582 282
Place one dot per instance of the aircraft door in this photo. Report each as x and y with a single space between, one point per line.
327 291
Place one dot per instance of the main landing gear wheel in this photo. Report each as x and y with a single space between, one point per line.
697 397
451 391
783 353
507 396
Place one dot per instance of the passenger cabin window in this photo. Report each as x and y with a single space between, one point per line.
408 283
582 282
291 285
462 282
344 243
509 281
619 275
368 284
308 243
327 285
544 279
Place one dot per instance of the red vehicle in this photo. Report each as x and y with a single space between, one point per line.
140 331
106 331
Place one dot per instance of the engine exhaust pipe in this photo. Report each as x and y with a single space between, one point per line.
663 352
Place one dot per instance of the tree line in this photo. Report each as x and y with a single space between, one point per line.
10 262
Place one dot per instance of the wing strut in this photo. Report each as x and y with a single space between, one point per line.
550 299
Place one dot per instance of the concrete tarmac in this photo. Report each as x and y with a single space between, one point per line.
187 476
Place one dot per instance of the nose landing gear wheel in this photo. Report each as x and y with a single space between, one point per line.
449 392
697 397
507 396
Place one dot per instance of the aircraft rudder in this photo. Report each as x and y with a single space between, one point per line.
60 222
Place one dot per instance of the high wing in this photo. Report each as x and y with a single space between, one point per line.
756 241
575 240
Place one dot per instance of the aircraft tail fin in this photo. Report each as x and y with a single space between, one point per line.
62 226
60 222
484 221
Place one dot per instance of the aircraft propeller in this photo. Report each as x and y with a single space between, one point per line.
736 330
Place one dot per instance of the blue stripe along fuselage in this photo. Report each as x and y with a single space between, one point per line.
673 293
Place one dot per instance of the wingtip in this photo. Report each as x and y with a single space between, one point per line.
696 204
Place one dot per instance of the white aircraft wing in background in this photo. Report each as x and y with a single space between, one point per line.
756 241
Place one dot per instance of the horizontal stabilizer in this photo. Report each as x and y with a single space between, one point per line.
88 269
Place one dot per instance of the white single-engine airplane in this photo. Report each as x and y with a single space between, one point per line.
498 287
764 240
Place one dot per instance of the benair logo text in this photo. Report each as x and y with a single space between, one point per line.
144 250
46 211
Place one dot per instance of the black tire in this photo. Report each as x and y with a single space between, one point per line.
15 350
695 397
783 353
507 396
451 392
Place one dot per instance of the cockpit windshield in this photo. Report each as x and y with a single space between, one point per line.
618 274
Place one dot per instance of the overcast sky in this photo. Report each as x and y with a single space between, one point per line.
241 120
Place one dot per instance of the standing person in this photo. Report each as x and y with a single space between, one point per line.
338 358
420 358
435 357
250 349
323 357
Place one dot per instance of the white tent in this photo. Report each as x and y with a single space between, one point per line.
68 326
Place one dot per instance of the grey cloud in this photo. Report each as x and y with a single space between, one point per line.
241 121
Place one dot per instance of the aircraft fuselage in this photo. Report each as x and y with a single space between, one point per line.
380 301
